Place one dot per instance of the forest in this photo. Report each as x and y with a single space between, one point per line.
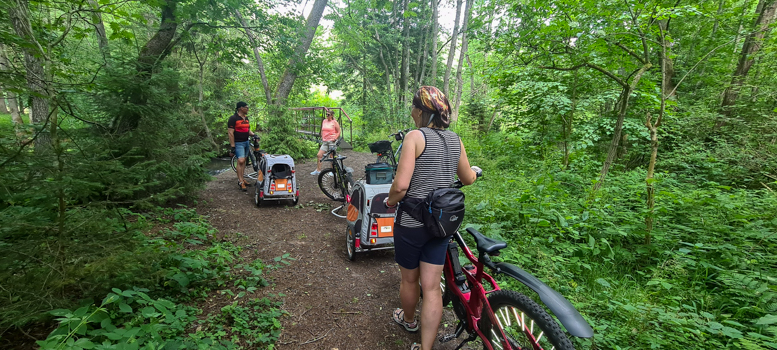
629 147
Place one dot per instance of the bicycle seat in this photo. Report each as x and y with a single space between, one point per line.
485 244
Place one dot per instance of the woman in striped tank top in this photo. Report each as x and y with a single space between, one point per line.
431 158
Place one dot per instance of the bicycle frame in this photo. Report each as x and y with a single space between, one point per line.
474 301
339 170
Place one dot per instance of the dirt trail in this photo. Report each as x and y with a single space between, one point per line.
333 303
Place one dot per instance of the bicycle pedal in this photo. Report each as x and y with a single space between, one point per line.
446 338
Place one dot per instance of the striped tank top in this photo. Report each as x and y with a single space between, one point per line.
433 168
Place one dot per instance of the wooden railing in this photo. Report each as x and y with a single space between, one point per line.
307 121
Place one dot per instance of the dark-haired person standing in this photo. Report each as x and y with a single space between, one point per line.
239 130
431 158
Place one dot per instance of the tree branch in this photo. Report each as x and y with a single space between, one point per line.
632 53
607 73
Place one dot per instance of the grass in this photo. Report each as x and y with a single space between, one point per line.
5 121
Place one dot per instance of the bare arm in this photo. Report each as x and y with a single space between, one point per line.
465 173
231 132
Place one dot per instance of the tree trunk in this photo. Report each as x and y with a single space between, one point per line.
159 46
405 70
612 152
201 113
388 80
462 58
14 108
151 54
298 57
471 77
422 51
364 83
493 117
3 107
259 63
454 38
435 19
36 77
99 28
750 48
567 133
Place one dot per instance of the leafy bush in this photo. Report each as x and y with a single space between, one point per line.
706 277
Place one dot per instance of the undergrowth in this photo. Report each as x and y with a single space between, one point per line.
706 280
164 274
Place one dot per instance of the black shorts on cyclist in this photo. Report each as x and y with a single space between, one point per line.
413 245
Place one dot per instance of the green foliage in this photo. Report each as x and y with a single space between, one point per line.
130 319
705 278
192 263
281 137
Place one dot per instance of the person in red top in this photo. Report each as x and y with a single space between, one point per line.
330 132
239 129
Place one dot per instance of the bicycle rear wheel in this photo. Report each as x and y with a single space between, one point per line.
525 323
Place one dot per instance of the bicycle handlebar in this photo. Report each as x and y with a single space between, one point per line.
400 134
458 184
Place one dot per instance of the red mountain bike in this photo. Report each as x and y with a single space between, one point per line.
504 319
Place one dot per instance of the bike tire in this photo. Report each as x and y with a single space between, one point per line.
328 183
251 160
257 197
350 243
523 321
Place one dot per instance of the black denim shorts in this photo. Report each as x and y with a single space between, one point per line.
413 245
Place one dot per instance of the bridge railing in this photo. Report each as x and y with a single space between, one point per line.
307 121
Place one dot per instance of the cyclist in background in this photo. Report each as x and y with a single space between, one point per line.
330 132
423 167
239 129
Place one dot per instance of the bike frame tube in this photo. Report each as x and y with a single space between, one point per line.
475 303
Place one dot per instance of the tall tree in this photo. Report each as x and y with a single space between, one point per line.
35 73
405 69
435 18
298 57
462 58
99 29
452 52
766 15
259 64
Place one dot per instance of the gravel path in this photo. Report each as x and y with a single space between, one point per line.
333 303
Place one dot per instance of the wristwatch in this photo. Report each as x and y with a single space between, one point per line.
385 202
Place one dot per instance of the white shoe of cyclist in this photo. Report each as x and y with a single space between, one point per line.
315 172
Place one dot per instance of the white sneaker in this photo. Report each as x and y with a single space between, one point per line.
315 172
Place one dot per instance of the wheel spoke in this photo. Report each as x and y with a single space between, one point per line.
518 316
497 343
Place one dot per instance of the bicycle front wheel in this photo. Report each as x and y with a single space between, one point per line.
525 323
250 161
330 185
